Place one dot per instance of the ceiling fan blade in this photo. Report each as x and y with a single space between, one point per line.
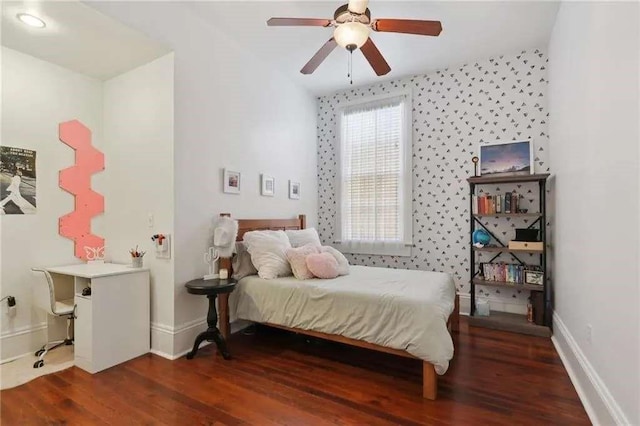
408 26
358 6
373 55
320 56
307 22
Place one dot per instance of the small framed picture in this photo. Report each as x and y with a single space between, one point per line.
267 185
294 190
534 277
506 158
231 181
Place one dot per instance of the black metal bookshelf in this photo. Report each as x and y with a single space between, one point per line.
499 320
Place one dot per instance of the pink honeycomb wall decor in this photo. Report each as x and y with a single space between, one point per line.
76 180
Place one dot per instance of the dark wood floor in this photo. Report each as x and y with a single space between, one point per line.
496 378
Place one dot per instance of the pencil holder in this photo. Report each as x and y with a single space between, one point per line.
136 262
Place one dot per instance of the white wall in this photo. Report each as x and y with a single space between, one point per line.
36 97
232 111
593 90
138 177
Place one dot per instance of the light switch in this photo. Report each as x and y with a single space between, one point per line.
150 220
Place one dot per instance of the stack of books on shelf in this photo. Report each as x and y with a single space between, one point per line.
487 204
505 272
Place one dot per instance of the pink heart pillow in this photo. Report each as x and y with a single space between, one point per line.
298 261
322 265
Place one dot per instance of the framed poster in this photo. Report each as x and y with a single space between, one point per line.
506 158
17 180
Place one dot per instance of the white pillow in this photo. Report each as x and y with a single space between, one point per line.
267 250
343 263
302 237
241 263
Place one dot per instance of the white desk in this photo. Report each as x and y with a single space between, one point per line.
112 325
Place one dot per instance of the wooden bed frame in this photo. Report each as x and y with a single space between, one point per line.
429 376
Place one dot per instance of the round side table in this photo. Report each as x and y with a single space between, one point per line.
211 289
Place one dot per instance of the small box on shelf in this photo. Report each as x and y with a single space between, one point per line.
526 245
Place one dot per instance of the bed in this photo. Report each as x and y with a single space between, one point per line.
403 312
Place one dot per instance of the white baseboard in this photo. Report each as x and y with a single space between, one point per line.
175 342
21 341
166 341
598 402
161 340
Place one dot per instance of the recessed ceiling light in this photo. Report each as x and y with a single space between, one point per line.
30 20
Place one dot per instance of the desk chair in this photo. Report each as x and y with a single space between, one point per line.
44 296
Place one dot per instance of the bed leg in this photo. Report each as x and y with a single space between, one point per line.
455 323
429 381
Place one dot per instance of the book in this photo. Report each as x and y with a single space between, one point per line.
507 202
474 204
498 203
503 272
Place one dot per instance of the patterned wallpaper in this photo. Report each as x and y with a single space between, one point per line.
501 98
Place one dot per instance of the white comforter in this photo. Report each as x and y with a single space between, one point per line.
396 308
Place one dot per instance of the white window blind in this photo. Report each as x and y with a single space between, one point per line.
374 177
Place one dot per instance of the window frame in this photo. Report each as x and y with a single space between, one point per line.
403 247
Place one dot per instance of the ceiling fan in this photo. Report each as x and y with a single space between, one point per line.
353 23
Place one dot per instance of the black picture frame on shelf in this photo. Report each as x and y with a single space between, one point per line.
533 277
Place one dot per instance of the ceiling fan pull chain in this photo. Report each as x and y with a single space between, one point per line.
350 74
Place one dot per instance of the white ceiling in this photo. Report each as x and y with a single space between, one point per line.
77 37
471 30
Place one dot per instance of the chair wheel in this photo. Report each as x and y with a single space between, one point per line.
38 364
39 352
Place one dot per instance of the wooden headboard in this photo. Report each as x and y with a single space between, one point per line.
246 225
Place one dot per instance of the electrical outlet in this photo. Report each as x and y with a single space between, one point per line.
589 333
11 306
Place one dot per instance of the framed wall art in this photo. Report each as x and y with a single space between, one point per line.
294 190
17 180
506 158
267 185
231 181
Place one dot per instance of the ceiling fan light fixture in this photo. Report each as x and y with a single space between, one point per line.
351 33
31 20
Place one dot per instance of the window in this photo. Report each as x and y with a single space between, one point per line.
375 177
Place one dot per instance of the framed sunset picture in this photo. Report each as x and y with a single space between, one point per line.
506 158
